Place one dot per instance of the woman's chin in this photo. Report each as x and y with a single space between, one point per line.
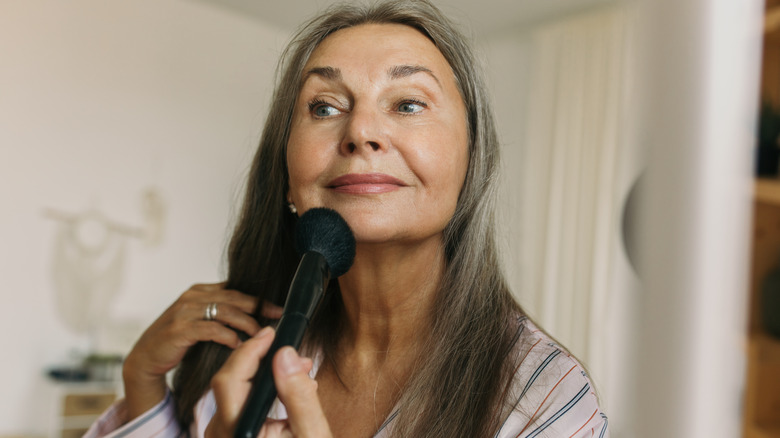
374 226
374 235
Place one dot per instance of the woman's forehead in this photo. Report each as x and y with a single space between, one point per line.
377 45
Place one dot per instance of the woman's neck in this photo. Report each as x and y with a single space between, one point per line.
388 297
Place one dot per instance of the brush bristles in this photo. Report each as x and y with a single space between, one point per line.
324 231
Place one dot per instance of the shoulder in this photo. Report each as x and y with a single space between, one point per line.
550 393
159 421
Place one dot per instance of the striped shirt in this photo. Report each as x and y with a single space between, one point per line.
550 396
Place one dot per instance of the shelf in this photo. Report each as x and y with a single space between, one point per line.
767 347
772 21
763 431
767 191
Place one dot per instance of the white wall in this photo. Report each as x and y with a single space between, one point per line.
99 100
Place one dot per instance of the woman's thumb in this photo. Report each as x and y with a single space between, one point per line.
298 392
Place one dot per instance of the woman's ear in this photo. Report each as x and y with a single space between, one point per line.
291 204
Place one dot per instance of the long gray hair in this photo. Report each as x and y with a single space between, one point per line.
457 388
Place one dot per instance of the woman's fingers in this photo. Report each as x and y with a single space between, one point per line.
209 287
229 315
233 308
298 392
271 310
275 429
232 383
245 303
184 323
242 365
163 344
211 331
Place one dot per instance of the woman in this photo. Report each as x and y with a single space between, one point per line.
381 115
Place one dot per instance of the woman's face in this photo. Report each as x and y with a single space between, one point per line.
379 134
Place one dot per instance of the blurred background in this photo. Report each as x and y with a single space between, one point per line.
127 128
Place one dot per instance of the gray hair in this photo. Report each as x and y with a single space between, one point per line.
456 389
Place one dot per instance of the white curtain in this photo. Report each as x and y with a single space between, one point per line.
576 168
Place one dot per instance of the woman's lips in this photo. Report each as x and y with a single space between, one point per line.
366 183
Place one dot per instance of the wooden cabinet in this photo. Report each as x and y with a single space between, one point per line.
75 406
762 394
762 390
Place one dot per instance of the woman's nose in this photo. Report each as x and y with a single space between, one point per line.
365 131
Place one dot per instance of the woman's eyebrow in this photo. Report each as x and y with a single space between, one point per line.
327 73
403 71
395 72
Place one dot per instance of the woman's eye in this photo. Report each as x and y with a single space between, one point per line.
411 107
322 109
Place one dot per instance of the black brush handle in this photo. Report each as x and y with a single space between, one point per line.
306 291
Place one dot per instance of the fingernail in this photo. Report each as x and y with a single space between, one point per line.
264 332
289 361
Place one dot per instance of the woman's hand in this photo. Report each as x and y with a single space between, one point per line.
163 345
296 390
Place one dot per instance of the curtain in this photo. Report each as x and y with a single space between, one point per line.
576 168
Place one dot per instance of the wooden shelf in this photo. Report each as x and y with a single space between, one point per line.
763 387
762 395
763 431
767 191
767 347
762 391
